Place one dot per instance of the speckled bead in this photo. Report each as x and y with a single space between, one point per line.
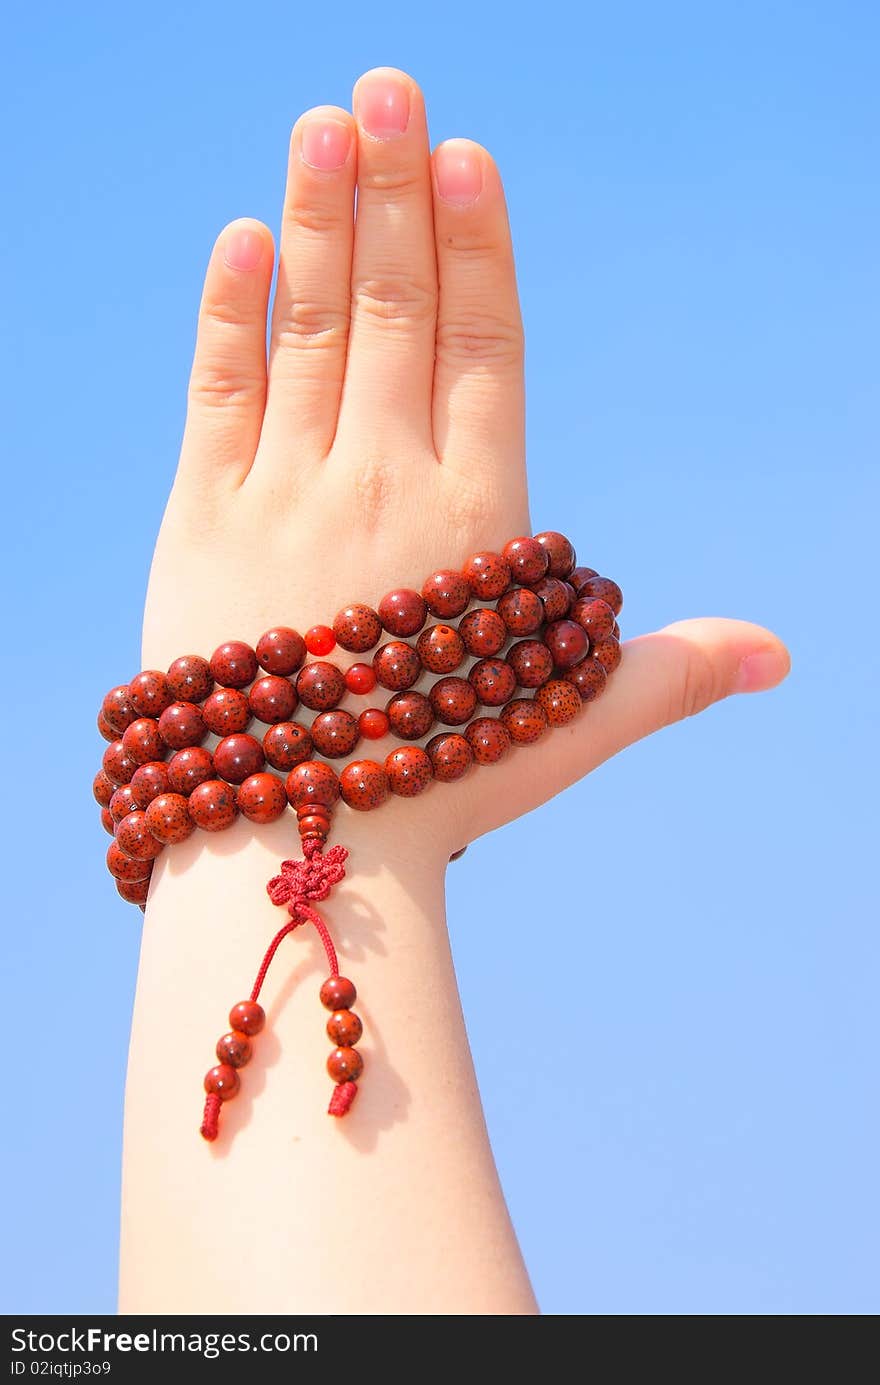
142 741
222 1081
117 764
555 596
247 1017
567 642
489 740
357 628
483 632
133 891
103 788
446 593
615 630
363 785
107 822
212 805
360 679
487 575
168 818
527 559
189 678
345 1065
124 867
272 699
373 724
148 781
189 768
287 744
134 837
524 720
531 661
122 803
450 755
338 993
594 616
320 686
410 715
262 798
335 734
607 653
588 677
234 664
397 665
344 1028
234 1048
440 648
409 771
117 709
605 590
281 650
580 576
494 682
560 701
226 712
148 693
521 611
560 553
105 729
237 757
312 782
402 612
453 700
182 724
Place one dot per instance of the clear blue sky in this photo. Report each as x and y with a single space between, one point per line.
693 190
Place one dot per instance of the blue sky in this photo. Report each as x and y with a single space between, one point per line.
694 202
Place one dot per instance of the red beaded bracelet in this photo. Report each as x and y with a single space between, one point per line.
545 646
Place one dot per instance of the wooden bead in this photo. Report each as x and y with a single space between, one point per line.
489 740
320 686
560 701
189 768
287 744
117 764
123 802
493 681
226 712
360 679
313 825
594 616
234 664
182 724
482 632
148 693
272 699
487 575
320 640
554 596
262 798
133 891
142 740
531 661
344 1028
588 677
605 590
397 665
410 715
453 700
446 593
363 785
281 650
527 559
567 642
105 729
103 788
212 805
559 551
524 720
237 757
335 734
134 837
521 611
107 821
168 818
247 1017
189 678
312 782
402 612
235 1048
580 576
450 755
409 771
338 993
148 781
373 724
222 1081
345 1065
607 653
117 709
129 868
357 628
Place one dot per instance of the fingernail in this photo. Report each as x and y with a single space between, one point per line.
325 144
243 249
758 672
459 174
382 106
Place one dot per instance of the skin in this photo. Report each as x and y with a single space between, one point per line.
388 410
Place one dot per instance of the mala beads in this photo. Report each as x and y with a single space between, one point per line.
515 643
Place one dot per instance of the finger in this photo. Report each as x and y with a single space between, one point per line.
478 406
227 386
310 318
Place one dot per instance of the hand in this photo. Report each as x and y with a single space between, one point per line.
384 438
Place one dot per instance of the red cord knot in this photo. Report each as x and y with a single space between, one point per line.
312 879
344 1094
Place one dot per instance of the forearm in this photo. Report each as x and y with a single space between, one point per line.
291 1210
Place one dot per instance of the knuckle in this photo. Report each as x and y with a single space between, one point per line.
375 487
307 323
395 298
223 313
216 386
393 183
477 337
700 686
315 218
